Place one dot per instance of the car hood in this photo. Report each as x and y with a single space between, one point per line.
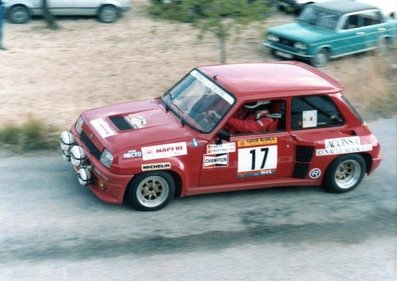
132 125
302 32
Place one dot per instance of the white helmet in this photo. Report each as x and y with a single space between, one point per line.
256 104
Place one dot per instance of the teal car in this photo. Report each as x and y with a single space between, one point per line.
332 29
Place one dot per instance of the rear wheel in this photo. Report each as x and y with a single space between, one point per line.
151 191
345 173
18 14
383 46
108 14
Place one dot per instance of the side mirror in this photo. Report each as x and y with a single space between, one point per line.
223 135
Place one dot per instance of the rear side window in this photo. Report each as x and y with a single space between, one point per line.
314 112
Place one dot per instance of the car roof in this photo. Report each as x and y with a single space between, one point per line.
273 80
345 7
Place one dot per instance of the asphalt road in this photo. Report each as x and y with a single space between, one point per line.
51 228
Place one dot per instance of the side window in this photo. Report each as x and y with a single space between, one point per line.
259 116
314 112
370 18
351 22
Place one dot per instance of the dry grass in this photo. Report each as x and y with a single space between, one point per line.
55 75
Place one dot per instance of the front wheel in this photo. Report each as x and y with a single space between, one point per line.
18 14
345 173
108 14
151 191
320 59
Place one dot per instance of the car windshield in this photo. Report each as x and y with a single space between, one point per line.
323 18
198 102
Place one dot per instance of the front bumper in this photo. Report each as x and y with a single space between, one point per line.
287 53
107 186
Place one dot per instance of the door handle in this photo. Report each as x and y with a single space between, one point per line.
360 33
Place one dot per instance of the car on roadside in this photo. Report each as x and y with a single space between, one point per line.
296 6
330 30
147 152
107 11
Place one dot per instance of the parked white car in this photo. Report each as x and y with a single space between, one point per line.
107 11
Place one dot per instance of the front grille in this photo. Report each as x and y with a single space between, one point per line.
90 145
286 42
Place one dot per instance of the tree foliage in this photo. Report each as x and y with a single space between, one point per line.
222 18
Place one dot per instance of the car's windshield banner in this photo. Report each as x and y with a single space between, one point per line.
212 86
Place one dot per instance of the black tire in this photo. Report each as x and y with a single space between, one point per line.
18 14
320 59
108 14
344 173
151 191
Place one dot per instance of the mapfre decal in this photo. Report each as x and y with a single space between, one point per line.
343 146
216 160
164 151
102 127
156 166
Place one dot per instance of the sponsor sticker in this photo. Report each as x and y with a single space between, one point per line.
315 173
343 146
257 161
256 142
215 160
221 148
132 154
212 86
195 143
102 128
309 118
136 121
164 150
257 173
156 166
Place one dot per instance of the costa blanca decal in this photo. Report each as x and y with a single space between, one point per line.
256 142
257 161
343 146
136 121
102 128
156 166
132 154
315 173
215 160
221 148
164 150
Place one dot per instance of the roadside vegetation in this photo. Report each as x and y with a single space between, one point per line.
32 135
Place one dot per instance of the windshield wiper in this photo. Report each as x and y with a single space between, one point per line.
180 114
167 95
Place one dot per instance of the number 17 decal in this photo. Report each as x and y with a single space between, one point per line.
257 159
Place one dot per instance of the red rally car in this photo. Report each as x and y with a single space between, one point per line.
183 143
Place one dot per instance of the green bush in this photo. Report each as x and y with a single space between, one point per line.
32 135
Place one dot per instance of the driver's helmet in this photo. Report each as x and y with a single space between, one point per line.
257 104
